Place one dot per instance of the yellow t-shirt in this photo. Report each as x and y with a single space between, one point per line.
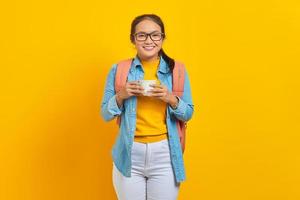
151 112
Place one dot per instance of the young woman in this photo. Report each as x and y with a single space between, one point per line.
147 155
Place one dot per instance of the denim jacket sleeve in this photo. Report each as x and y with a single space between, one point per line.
185 107
109 106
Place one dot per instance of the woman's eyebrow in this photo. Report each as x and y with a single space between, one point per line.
149 32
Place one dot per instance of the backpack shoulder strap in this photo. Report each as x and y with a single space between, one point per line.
178 78
121 77
122 73
178 88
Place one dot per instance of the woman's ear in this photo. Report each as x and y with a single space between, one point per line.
132 41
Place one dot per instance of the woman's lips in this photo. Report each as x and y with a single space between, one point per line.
148 48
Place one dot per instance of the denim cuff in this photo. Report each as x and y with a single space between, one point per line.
180 110
113 107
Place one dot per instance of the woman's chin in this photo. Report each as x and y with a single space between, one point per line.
148 55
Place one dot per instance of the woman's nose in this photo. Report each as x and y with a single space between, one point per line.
148 40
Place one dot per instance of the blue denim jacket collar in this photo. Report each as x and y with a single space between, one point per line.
163 66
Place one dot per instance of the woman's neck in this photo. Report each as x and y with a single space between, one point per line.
150 60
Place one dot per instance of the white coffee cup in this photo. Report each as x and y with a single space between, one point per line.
146 85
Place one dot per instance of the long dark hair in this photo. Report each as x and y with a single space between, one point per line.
159 22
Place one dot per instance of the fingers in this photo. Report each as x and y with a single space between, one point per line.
157 86
157 92
134 88
162 94
133 83
159 89
134 91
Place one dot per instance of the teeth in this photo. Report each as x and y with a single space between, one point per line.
149 47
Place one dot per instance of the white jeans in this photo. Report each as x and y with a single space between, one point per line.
152 176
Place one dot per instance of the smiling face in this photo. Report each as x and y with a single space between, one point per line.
148 49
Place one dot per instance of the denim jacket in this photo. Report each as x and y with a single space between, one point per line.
121 151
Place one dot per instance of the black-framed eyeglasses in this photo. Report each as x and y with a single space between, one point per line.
154 36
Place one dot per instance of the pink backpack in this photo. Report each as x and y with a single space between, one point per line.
177 89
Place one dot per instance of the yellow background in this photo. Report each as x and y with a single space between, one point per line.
243 61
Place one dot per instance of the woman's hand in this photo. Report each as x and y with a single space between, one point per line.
161 92
132 88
